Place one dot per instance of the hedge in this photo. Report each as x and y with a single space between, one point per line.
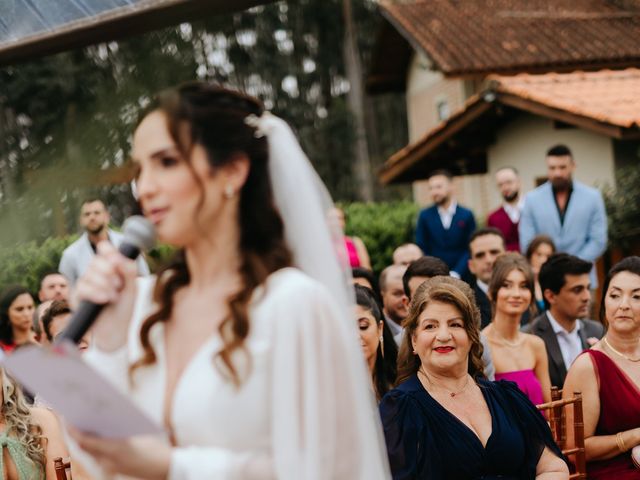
381 226
27 263
623 208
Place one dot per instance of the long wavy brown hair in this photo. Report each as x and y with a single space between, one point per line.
214 118
453 292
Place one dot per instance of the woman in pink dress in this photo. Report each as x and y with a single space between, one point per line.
517 356
608 375
355 247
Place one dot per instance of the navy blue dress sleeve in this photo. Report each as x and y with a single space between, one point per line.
534 427
404 433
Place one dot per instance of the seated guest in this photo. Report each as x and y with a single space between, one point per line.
566 333
364 277
608 375
538 251
517 356
37 321
31 437
16 318
380 353
444 420
425 268
420 270
484 247
55 320
406 253
394 301
53 286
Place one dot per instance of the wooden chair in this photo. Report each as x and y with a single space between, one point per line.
558 423
61 468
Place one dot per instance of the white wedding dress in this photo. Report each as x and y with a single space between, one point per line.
293 416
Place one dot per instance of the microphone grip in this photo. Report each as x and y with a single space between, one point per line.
87 312
81 321
129 250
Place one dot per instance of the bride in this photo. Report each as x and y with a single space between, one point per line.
243 348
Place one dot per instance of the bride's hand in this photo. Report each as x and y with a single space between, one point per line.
110 279
143 457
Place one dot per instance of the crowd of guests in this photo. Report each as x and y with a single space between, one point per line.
437 402
510 301
453 315
31 432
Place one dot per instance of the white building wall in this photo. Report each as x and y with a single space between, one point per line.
425 89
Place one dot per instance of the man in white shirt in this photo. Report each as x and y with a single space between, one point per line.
94 219
565 284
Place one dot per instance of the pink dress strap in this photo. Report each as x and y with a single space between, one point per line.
354 260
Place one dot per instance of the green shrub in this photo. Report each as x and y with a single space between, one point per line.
623 208
382 227
26 264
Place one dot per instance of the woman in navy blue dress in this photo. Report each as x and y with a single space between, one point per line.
444 420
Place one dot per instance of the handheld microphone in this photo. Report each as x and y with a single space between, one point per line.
139 235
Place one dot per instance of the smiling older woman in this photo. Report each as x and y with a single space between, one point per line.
445 420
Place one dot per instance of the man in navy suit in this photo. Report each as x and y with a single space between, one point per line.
445 228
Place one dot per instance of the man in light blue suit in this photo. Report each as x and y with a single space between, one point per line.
570 212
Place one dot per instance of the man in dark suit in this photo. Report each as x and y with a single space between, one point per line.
444 229
485 245
564 280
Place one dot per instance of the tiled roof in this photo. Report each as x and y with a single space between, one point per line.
607 96
471 37
607 102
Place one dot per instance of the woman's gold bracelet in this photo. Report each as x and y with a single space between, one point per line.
620 441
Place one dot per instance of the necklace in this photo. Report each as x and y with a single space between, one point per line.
451 394
618 353
507 342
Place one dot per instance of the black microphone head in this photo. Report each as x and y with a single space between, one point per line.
140 232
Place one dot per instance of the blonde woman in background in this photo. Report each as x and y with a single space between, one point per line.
30 437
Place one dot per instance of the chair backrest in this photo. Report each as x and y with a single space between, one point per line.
556 412
61 468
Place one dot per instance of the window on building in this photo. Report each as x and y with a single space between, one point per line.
442 107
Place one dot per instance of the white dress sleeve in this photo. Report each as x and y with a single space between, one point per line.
325 421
